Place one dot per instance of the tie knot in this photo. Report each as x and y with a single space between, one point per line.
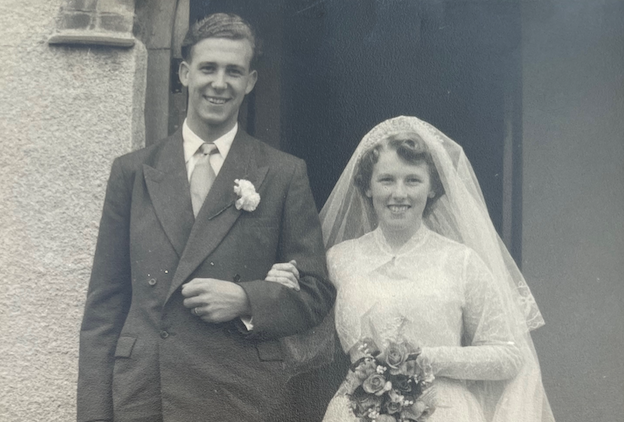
207 149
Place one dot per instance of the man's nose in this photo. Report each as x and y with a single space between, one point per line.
219 81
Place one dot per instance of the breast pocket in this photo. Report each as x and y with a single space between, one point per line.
259 236
260 223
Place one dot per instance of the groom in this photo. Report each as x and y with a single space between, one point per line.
179 323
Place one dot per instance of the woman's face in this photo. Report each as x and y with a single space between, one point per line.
399 191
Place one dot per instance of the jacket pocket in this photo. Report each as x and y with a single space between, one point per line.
270 351
254 222
124 347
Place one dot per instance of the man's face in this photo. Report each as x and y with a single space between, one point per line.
218 77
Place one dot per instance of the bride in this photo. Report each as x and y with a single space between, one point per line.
415 257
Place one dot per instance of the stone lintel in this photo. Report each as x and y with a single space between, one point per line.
90 37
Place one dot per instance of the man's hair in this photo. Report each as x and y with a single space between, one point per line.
221 25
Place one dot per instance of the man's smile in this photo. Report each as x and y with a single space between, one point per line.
216 100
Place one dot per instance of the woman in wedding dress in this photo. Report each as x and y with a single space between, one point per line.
414 257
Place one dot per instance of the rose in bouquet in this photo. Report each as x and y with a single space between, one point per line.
390 385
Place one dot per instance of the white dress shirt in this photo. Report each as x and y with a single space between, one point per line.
192 142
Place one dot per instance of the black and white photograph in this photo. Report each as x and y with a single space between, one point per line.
312 210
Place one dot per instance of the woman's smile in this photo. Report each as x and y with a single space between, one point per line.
398 209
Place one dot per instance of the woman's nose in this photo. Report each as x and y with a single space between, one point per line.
399 191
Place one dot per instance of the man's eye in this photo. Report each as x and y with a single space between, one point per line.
207 69
235 72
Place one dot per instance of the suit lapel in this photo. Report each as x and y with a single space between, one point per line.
168 187
218 214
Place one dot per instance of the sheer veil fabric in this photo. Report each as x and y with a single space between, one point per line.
460 215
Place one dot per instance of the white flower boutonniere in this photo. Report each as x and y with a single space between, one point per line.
248 198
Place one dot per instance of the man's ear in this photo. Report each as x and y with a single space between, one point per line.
183 72
251 81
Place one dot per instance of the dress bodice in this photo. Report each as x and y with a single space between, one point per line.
431 292
416 293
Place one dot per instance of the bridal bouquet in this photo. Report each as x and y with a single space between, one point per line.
389 386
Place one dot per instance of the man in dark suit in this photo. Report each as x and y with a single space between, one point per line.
180 323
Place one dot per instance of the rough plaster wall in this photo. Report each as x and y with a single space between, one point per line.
573 200
65 113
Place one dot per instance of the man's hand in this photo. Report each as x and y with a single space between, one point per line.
284 273
215 300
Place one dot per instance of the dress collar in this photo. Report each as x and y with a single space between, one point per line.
416 240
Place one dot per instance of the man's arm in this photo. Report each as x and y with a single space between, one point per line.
278 310
216 301
108 300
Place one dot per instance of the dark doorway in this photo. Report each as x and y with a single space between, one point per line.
333 69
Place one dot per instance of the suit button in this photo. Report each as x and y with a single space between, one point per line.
164 334
212 263
152 282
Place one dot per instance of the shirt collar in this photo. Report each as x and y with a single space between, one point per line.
192 141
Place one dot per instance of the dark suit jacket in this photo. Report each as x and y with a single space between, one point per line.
143 354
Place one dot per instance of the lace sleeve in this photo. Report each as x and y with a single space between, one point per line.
490 352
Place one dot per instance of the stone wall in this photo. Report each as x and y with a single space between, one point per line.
65 113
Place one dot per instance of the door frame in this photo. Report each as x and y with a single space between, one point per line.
161 26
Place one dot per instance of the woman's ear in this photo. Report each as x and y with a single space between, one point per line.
368 193
431 194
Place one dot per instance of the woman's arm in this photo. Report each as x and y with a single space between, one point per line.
491 352
284 273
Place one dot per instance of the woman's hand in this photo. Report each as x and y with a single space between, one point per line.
285 274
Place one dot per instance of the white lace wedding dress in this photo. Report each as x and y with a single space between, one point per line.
436 294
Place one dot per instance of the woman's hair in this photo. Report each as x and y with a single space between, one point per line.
410 147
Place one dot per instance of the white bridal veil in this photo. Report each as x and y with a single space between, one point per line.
460 214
